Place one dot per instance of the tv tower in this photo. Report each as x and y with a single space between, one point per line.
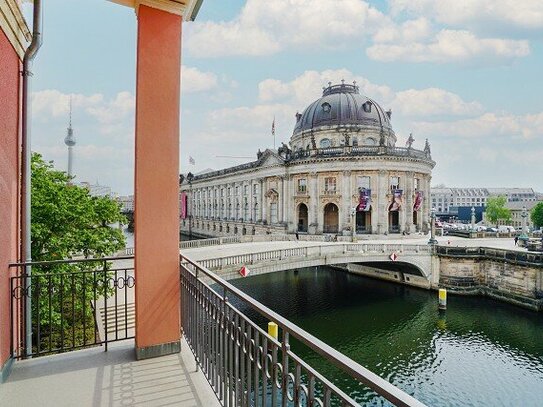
69 140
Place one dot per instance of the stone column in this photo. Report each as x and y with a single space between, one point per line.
281 200
346 192
313 203
382 207
156 188
409 202
263 203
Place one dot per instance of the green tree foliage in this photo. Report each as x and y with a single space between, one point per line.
536 215
69 223
496 210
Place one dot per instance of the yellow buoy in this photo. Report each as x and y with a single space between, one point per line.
442 298
273 330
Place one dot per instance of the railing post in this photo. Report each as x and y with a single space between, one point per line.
285 347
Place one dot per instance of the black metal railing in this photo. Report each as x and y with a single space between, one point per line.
73 304
247 367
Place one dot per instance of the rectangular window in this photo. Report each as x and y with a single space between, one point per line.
255 189
394 183
330 185
302 185
237 190
246 189
363 182
273 212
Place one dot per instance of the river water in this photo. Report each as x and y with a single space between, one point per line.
479 352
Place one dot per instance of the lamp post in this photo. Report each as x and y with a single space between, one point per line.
190 177
353 223
472 218
432 240
524 216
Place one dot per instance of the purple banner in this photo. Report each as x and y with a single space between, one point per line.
397 200
419 198
364 200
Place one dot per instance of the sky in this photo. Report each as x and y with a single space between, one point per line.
464 74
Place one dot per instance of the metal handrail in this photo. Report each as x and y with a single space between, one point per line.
355 370
74 307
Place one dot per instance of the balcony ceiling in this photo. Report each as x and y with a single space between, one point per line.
186 8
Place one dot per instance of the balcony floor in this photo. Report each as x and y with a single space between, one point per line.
114 378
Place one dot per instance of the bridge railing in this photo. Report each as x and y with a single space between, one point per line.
310 252
246 366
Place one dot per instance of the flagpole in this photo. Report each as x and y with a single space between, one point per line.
273 132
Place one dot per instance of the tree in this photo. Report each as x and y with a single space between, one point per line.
496 210
68 222
536 214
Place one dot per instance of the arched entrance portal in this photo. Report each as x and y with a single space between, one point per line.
363 221
394 222
331 218
302 218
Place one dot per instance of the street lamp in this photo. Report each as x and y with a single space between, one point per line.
524 215
353 222
472 218
190 177
432 227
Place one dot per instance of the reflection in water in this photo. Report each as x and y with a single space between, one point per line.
478 352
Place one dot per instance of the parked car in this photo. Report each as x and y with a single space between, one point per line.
491 229
506 229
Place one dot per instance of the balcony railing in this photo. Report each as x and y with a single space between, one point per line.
73 304
245 366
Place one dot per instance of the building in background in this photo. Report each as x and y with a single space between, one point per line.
97 190
453 203
341 170
127 202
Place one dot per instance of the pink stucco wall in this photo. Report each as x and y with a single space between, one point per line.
10 66
156 178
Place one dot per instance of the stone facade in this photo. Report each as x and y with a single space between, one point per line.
315 184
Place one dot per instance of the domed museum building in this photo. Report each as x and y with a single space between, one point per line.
341 171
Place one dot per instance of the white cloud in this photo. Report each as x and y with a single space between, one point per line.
193 80
264 28
451 46
305 88
55 103
489 126
525 14
432 102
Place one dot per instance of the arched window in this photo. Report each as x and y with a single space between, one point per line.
325 143
370 141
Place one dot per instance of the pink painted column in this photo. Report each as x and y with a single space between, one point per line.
158 329
10 114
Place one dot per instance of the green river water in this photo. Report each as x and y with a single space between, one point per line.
479 352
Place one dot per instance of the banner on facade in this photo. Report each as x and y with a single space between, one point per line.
419 197
397 200
364 200
183 206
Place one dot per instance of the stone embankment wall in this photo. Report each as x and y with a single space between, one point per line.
515 277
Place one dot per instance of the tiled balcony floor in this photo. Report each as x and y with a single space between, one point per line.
114 378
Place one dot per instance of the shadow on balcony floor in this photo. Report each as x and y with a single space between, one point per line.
96 378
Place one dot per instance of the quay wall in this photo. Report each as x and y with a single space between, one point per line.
513 281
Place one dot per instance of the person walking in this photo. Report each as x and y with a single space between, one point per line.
516 240
297 236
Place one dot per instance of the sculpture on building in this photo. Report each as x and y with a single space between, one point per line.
410 140
427 149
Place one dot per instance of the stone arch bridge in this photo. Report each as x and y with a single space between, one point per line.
407 263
